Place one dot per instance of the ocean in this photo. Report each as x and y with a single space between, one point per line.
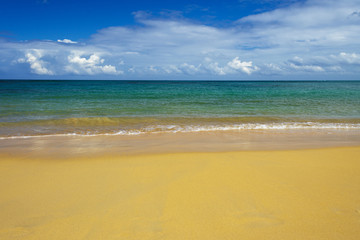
45 108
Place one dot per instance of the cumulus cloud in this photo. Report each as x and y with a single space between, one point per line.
296 40
246 67
33 57
79 64
233 67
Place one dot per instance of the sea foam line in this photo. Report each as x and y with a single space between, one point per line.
156 129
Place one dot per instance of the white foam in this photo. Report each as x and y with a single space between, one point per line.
156 129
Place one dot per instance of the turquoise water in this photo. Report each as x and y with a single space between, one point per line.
31 108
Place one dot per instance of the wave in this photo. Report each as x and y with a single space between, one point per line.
158 129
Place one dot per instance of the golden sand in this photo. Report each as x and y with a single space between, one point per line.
297 194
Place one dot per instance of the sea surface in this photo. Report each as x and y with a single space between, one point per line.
45 108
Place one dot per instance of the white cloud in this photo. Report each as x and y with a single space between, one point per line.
33 57
245 67
312 68
190 69
350 58
273 68
232 67
172 69
340 63
153 69
315 25
215 68
66 41
207 66
92 65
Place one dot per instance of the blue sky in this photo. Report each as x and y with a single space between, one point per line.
235 40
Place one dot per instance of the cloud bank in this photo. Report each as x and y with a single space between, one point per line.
308 40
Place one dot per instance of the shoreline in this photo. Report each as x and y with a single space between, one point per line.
215 141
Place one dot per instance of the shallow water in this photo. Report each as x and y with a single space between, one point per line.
38 108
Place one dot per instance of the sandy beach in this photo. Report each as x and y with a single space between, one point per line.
180 120
283 194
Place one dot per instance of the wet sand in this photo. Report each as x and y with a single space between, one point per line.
63 147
